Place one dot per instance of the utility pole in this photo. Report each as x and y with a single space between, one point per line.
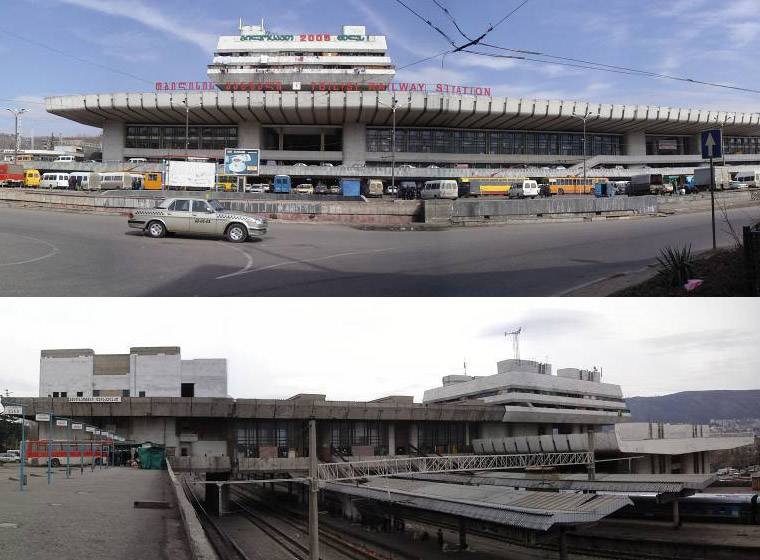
313 493
187 127
393 145
16 114
584 118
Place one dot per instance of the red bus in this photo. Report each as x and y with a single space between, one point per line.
89 450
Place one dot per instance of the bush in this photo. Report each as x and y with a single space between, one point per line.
676 265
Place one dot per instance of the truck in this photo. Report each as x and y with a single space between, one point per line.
351 187
649 183
702 178
196 175
11 175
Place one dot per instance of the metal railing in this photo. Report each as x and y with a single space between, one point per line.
331 472
752 258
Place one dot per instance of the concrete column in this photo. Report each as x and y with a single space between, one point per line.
591 444
676 515
249 134
467 434
114 137
635 143
413 435
217 496
354 143
462 534
391 439
313 493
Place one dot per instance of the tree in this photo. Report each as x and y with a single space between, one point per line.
10 433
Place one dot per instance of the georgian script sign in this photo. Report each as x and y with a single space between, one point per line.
94 399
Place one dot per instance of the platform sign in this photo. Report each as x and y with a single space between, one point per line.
61 423
712 144
76 426
90 429
241 161
42 417
13 410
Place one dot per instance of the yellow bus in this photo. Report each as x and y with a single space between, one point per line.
574 185
487 186
24 157
153 181
31 178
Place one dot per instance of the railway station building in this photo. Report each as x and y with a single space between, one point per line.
321 100
524 408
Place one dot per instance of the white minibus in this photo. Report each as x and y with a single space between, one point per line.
54 181
446 188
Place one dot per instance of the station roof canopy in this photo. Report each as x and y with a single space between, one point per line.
657 483
539 511
374 108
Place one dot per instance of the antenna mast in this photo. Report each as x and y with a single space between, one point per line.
515 342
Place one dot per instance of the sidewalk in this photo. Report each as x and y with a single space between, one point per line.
90 515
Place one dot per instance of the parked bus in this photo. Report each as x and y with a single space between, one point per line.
54 181
751 178
81 451
120 180
444 188
153 181
24 158
86 180
485 186
32 178
574 185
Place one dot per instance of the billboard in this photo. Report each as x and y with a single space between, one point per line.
191 174
241 161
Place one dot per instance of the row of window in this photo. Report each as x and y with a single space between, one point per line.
742 145
173 137
445 141
95 393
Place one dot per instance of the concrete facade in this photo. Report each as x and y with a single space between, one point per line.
146 372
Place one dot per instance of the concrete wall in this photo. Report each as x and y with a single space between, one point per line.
354 143
208 375
158 375
249 134
634 143
161 430
70 374
208 448
110 382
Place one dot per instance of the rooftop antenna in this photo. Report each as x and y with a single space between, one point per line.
515 342
465 366
240 24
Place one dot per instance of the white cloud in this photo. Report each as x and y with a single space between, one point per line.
148 16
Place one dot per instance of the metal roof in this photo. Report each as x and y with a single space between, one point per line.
518 508
374 109
659 483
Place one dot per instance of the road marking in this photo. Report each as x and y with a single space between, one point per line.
54 251
248 257
303 261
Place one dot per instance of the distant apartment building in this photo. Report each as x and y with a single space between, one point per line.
155 371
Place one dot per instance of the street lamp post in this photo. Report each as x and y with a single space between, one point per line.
187 128
584 118
16 114
394 105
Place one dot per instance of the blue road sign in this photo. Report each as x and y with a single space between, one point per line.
712 144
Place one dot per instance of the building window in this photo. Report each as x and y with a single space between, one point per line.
96 392
188 390
125 392
173 137
80 394
55 394
64 394
501 142
142 393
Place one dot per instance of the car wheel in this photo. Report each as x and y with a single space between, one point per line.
155 230
236 233
55 462
561 191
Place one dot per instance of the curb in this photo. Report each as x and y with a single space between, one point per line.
200 546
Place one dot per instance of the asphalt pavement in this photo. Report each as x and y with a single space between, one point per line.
54 253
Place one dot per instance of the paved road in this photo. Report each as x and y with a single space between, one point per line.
47 253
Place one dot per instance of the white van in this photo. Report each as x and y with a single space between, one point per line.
751 178
446 188
86 180
65 158
54 181
523 189
137 160
114 180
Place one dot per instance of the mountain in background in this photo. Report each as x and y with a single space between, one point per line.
695 407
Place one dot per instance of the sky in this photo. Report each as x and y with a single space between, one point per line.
363 349
131 44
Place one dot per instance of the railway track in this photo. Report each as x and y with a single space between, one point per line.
224 545
334 541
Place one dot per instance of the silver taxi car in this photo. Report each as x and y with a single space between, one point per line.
197 216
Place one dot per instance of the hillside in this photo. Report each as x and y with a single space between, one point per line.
696 406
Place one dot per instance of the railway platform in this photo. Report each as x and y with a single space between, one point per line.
90 515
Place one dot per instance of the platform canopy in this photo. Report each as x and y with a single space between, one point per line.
535 510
